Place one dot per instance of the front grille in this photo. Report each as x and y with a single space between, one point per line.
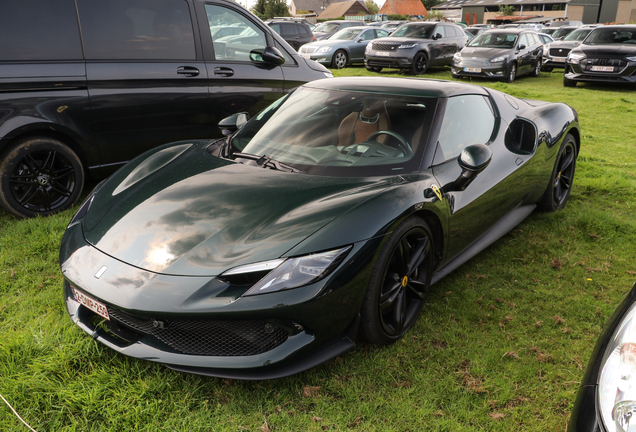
559 52
617 64
212 338
474 63
385 46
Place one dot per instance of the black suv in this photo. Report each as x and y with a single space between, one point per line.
296 33
416 46
608 54
139 74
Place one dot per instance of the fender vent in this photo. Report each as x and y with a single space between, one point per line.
521 137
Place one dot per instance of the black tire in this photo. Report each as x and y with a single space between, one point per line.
568 82
39 176
399 283
537 69
512 73
558 191
547 69
420 64
339 59
374 69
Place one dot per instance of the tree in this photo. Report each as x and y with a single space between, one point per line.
506 10
428 4
372 7
435 16
276 8
259 8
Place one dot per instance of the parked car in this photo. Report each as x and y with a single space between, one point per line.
605 401
327 28
563 32
295 33
475 30
342 48
545 38
139 74
549 31
608 54
324 218
555 54
391 26
414 47
501 54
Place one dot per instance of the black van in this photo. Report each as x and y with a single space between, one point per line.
87 85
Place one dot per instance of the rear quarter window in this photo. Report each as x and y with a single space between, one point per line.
39 30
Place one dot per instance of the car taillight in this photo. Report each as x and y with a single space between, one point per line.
313 38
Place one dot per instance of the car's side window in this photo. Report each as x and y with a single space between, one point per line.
137 31
367 35
381 33
288 30
440 30
468 119
236 47
275 27
302 29
523 40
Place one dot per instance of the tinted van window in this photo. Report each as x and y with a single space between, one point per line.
121 29
39 30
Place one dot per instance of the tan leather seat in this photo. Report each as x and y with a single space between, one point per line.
357 126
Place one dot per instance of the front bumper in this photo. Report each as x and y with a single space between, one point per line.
553 62
480 69
322 58
374 60
578 72
205 326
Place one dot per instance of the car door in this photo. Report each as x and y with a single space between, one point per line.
236 83
436 46
471 119
524 55
360 44
147 81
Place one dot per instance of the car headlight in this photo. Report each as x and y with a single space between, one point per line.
328 74
575 57
457 57
546 50
369 48
617 381
411 45
324 49
499 59
631 59
291 272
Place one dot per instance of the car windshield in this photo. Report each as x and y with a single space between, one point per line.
416 31
345 34
341 133
562 32
327 28
604 36
577 35
494 40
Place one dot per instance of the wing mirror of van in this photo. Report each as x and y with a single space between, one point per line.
269 55
231 124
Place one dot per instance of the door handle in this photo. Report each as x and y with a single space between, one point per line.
223 72
188 71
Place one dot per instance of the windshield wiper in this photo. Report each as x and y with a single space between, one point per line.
267 162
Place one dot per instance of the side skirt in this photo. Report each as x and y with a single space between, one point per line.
497 231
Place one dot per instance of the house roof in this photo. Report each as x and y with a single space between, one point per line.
403 7
458 4
313 5
339 9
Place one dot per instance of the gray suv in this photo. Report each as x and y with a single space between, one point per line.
414 47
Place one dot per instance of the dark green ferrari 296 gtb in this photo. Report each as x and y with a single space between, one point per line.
324 219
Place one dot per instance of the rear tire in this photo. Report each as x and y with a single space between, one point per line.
39 176
399 283
560 186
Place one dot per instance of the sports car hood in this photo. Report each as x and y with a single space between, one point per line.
200 215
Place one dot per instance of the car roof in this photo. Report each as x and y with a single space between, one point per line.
417 87
510 30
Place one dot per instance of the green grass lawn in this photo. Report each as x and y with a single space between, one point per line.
502 344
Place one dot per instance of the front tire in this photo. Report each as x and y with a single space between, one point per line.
374 69
560 186
568 82
399 283
420 64
339 59
39 176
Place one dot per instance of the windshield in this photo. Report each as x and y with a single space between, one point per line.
345 34
416 31
341 133
494 40
562 32
327 28
577 35
604 36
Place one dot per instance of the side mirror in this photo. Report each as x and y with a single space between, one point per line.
437 36
269 55
472 160
231 124
522 46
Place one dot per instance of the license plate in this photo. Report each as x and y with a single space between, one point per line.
602 68
89 302
307 56
558 59
466 69
383 54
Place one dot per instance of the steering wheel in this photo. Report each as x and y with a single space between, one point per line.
402 143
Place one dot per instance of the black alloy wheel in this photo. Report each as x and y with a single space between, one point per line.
560 186
420 64
399 283
39 177
339 59
512 73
